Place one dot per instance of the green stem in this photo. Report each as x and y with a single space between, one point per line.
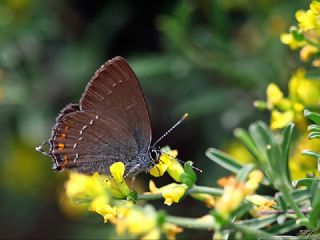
192 190
208 224
259 234
287 196
194 223
202 189
146 197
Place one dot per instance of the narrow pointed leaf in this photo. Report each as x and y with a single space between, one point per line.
247 141
314 128
223 159
313 135
287 139
315 117
244 171
310 153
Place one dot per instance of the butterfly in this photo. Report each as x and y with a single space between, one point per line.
110 124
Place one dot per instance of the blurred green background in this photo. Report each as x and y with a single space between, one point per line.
210 58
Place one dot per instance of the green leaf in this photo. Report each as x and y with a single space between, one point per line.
297 35
315 202
244 171
285 227
241 210
315 117
310 153
314 128
286 142
313 74
270 151
247 141
258 223
303 182
223 159
260 139
132 196
188 177
300 195
313 135
281 202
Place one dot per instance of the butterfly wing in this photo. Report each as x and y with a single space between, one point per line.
111 123
115 91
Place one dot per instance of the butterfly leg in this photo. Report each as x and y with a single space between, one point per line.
132 182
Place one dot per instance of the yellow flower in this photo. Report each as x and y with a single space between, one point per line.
274 95
101 206
237 150
206 198
275 98
315 7
288 39
139 222
304 90
83 188
171 192
175 170
281 119
167 162
315 63
254 179
136 220
301 165
171 230
307 20
307 52
154 234
164 161
261 203
234 193
117 184
69 208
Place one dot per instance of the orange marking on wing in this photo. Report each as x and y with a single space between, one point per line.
60 146
63 135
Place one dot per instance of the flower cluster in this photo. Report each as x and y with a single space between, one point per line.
184 176
303 93
305 36
111 197
235 191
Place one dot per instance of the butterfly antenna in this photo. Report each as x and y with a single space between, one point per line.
173 127
183 162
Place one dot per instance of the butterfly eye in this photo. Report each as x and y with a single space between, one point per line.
155 155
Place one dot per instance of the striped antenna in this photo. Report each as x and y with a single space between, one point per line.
173 127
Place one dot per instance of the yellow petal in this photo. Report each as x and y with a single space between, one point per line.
173 192
307 20
154 234
175 170
165 161
140 222
288 39
280 120
307 52
153 188
274 95
315 7
158 170
80 187
117 171
101 206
